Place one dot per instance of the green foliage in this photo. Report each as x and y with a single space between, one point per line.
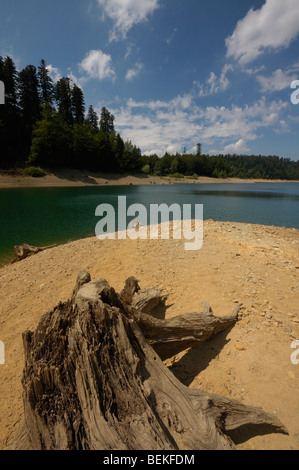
77 104
10 121
223 166
146 169
106 121
44 124
131 160
52 141
158 170
35 172
29 96
63 97
176 175
84 147
46 84
106 161
93 119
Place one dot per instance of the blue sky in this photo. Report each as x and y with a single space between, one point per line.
173 72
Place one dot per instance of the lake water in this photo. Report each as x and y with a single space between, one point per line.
44 216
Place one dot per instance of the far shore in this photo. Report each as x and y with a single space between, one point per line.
76 178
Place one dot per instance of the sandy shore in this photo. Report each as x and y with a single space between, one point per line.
253 265
66 178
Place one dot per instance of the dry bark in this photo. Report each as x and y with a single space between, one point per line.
25 250
93 378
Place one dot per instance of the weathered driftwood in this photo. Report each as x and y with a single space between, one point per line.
25 250
92 380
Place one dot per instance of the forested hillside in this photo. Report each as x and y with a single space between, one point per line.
222 166
47 124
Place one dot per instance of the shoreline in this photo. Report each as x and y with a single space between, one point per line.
252 265
119 236
76 178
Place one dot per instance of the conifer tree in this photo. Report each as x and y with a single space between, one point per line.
52 140
78 105
46 84
106 121
63 96
10 142
93 119
10 78
29 96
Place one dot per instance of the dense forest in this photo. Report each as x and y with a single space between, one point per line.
45 124
222 166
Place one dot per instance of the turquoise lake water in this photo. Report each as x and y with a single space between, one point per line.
44 216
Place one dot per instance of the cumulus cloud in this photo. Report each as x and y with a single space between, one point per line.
279 80
215 84
237 148
274 26
133 72
98 65
156 126
54 73
126 13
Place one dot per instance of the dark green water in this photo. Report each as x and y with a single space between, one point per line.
43 216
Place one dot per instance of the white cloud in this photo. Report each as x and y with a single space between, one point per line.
132 73
238 148
279 80
129 51
156 126
274 26
215 84
54 73
126 13
98 65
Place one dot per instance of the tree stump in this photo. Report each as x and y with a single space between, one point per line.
25 250
94 378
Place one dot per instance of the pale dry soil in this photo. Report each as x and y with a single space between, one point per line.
76 178
256 266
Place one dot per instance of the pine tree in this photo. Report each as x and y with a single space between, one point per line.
10 79
85 152
93 119
131 157
9 115
63 96
29 96
46 84
78 105
52 140
106 121
118 148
